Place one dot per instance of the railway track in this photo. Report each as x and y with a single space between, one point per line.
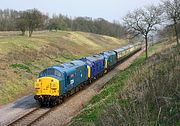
31 117
38 114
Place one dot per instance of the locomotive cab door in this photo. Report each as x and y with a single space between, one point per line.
70 83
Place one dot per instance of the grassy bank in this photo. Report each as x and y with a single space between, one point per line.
152 97
23 57
128 100
107 97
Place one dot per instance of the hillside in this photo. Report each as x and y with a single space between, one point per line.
23 57
151 98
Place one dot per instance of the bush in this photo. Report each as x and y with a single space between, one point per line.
22 67
151 95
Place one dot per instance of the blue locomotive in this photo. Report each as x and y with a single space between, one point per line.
95 65
55 83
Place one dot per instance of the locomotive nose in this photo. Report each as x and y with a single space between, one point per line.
47 86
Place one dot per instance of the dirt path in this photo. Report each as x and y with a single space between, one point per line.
65 112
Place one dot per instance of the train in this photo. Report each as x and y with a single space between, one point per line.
55 83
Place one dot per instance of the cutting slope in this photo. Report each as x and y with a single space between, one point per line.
22 57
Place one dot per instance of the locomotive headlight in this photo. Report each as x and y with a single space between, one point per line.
38 80
37 91
53 80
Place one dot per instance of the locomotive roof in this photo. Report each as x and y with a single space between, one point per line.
94 58
73 64
66 67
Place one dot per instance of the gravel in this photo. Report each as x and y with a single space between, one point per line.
63 114
16 109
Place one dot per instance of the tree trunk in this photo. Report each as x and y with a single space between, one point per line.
176 32
23 33
30 33
146 40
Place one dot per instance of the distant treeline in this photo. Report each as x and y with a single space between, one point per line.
13 20
33 19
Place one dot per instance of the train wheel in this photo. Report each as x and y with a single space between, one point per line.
65 95
41 104
90 81
105 71
77 89
60 101
47 104
52 103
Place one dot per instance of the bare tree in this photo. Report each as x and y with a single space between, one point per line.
143 22
34 19
172 8
21 22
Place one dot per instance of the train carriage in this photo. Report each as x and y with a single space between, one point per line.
126 51
119 53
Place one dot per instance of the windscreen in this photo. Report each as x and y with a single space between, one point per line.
50 71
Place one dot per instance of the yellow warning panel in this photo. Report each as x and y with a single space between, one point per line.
47 86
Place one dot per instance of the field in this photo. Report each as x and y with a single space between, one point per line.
151 98
23 57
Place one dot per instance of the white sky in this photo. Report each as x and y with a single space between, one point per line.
107 9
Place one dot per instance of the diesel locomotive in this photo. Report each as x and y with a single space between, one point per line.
57 82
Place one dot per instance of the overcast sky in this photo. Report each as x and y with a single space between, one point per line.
108 9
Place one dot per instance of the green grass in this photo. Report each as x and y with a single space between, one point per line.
12 91
106 97
22 58
109 94
14 42
21 66
151 98
160 46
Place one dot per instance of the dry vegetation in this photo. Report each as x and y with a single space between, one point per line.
151 95
23 57
146 93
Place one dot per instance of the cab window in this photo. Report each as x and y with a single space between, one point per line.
57 73
50 72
